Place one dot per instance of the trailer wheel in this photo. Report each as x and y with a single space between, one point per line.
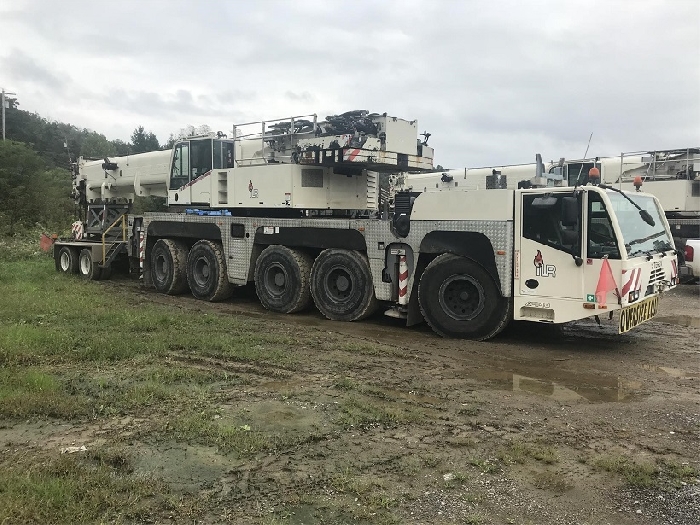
67 259
341 285
206 272
458 298
169 266
282 279
88 269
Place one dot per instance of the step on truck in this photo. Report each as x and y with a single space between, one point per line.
294 207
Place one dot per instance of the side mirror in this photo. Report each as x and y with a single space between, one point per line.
569 211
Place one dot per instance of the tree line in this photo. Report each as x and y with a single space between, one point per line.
35 180
59 143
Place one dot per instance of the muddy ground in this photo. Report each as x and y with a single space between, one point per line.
542 425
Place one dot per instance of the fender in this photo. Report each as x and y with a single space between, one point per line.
472 245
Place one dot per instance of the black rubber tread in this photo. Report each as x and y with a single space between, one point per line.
173 279
92 272
361 303
494 315
215 286
295 296
73 256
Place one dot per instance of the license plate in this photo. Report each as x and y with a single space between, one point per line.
636 314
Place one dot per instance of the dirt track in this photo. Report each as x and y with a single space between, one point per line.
580 393
542 425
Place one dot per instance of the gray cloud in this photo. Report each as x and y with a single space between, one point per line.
18 64
494 82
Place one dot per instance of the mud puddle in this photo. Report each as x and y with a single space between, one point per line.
608 389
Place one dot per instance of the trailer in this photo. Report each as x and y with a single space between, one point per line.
293 207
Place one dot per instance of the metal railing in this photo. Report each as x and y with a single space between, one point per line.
272 130
121 219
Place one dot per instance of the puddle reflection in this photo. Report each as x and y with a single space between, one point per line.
594 389
677 373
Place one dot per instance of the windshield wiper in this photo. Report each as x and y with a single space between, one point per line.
645 239
645 215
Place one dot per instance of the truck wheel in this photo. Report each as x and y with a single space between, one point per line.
282 279
206 272
341 285
67 259
169 266
87 268
458 298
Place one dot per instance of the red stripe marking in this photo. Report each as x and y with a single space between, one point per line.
352 155
628 284
638 282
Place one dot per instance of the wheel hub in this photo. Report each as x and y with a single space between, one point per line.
201 271
339 283
161 267
461 297
65 261
85 265
276 280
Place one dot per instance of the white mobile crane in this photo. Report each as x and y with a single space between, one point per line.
292 206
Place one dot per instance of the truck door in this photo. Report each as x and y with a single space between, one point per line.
191 167
549 263
179 191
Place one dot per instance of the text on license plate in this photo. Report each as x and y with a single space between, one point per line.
636 314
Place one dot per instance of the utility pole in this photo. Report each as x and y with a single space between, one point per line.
4 104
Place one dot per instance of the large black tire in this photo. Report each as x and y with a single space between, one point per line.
66 259
206 272
169 266
458 298
341 285
282 279
87 268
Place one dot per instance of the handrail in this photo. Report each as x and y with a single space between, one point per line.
267 132
121 218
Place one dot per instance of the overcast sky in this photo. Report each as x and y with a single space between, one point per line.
495 82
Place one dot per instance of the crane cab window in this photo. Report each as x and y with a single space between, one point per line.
201 157
179 172
223 154
601 236
554 220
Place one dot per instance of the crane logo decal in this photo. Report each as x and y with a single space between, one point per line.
542 269
253 191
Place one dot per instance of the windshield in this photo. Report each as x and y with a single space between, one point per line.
638 236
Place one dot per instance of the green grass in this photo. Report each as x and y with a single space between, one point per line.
358 411
636 474
519 452
28 392
51 318
203 428
77 489
53 327
678 473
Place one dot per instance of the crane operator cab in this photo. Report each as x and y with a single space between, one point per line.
194 159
